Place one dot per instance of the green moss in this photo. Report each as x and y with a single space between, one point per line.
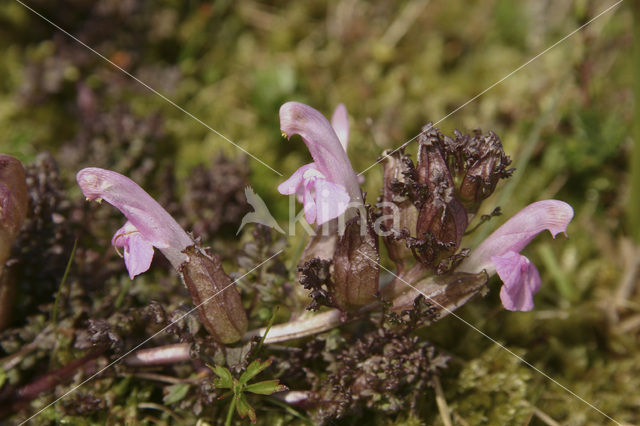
492 389
565 119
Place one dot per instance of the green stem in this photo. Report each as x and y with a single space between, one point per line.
56 304
232 407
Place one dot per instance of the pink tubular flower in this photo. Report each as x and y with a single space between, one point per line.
500 252
329 184
148 224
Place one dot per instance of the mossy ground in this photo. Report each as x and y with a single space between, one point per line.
565 119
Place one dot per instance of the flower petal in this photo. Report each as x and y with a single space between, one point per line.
340 124
291 185
138 252
518 231
310 211
145 214
521 281
328 154
138 257
331 200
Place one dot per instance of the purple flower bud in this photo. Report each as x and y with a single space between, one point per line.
500 252
327 185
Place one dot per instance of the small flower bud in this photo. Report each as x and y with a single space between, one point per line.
216 297
443 219
399 213
356 270
487 165
441 225
432 168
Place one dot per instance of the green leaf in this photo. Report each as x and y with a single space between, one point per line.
122 388
176 393
244 409
56 303
253 370
266 387
269 325
224 380
3 376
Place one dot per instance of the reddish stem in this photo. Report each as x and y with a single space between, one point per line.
13 399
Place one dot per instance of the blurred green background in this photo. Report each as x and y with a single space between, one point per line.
566 120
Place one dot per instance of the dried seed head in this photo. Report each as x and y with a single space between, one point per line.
443 219
487 164
432 167
441 225
399 213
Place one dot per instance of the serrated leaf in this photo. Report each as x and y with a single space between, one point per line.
253 370
176 393
266 387
224 380
244 409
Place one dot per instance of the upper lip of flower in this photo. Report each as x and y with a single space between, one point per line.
500 252
329 155
328 184
149 218
518 231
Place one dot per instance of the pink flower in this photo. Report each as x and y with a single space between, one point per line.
148 225
500 252
329 184
138 252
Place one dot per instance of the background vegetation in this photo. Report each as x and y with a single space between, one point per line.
566 119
